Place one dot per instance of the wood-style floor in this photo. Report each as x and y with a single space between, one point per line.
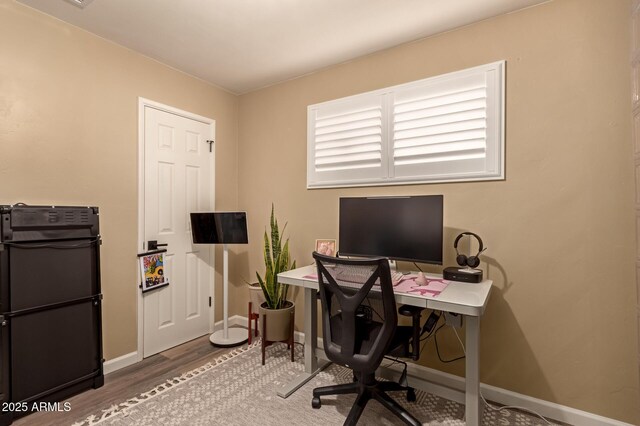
130 381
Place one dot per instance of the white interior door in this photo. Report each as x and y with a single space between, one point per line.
178 179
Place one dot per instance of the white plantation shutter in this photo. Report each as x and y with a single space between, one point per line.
445 128
346 141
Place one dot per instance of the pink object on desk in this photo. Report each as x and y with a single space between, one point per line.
433 287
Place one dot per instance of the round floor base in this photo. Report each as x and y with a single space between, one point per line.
235 336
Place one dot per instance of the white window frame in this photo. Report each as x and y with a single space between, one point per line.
487 167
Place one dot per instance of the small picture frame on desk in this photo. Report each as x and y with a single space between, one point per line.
326 247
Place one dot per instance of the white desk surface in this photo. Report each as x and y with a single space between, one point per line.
458 297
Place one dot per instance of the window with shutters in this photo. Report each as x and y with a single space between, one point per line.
441 129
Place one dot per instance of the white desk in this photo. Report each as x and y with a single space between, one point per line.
467 299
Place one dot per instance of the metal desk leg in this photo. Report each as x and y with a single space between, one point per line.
472 392
311 367
310 330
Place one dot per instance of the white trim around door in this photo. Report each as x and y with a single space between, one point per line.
142 104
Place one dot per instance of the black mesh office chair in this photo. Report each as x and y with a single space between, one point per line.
357 334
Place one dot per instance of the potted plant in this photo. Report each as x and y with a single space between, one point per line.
276 313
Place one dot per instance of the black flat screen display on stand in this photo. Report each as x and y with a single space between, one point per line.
399 228
219 228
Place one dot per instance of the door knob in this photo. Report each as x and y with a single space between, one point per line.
153 245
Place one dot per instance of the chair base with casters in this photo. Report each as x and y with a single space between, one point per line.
367 388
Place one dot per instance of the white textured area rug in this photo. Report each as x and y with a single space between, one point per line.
237 390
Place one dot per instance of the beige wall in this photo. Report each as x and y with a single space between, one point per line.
560 324
69 135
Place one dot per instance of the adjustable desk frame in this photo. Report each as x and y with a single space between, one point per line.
466 299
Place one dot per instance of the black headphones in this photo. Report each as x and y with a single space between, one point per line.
471 261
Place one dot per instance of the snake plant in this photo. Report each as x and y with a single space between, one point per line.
276 260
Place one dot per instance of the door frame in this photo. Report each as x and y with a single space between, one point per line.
142 104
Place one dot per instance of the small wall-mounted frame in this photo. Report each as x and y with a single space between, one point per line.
326 247
152 270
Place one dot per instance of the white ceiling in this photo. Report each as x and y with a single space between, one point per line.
243 45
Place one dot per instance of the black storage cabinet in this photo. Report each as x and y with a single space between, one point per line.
50 306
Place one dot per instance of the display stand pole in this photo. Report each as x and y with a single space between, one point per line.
228 336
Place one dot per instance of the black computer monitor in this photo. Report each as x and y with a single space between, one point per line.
399 228
219 228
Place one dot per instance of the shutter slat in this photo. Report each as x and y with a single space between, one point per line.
441 139
346 142
343 151
441 157
442 119
355 115
359 157
461 126
338 162
475 145
441 100
348 134
346 166
443 110
345 127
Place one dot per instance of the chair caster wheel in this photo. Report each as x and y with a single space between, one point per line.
411 395
315 402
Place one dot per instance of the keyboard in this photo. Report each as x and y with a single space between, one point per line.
396 277
359 276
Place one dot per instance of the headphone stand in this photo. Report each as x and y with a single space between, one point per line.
466 275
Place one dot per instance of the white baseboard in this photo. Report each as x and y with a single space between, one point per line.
548 409
452 387
120 362
233 320
243 322
132 358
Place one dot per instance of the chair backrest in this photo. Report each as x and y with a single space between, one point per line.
357 331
